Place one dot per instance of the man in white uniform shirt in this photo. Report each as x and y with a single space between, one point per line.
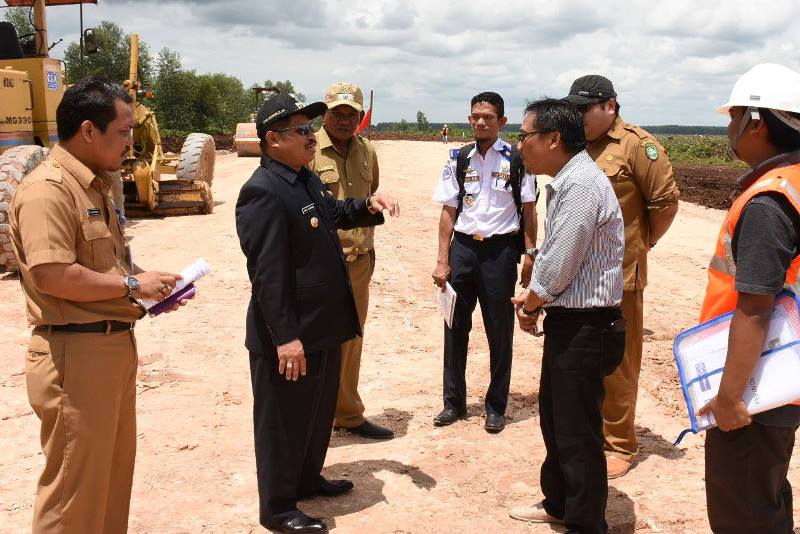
488 220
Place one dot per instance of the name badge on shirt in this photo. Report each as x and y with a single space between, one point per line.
471 179
308 208
93 212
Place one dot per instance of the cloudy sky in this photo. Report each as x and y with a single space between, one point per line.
671 62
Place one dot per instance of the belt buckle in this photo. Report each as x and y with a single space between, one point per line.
351 258
477 237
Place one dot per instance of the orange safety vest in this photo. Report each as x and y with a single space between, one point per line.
721 294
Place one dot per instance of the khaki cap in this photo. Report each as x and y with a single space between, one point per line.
345 93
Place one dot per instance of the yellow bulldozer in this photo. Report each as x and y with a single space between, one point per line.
146 188
246 139
31 87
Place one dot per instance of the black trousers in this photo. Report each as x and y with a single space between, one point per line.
484 271
292 426
746 486
579 350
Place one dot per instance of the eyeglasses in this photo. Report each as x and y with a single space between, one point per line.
303 130
522 136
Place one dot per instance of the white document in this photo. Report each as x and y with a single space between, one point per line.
198 269
700 354
447 303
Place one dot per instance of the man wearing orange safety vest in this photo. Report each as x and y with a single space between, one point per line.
757 255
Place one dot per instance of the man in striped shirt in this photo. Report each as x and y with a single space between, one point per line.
577 280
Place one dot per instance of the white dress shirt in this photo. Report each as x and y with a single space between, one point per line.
580 262
493 211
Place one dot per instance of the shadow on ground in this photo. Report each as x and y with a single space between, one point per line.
368 489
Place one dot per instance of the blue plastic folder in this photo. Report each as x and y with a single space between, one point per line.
700 354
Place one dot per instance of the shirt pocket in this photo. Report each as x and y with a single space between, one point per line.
97 247
330 178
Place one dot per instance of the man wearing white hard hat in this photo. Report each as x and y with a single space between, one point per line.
757 255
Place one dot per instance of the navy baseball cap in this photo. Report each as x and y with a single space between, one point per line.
590 89
284 105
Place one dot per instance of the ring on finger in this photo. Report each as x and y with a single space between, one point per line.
289 365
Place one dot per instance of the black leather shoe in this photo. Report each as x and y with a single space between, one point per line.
296 522
494 423
327 488
448 416
370 430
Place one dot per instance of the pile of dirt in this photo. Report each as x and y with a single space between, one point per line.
707 185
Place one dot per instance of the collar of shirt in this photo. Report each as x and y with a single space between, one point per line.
579 159
83 174
497 146
282 170
615 132
775 162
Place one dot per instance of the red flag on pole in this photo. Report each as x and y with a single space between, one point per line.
364 124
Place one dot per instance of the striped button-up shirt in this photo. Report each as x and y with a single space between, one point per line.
580 262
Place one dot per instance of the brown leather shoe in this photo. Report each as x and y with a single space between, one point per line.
617 467
533 514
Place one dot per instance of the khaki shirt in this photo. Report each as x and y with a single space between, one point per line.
352 176
642 177
62 213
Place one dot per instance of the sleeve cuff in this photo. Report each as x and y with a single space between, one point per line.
452 203
540 291
43 257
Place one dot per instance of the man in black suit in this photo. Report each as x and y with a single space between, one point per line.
300 311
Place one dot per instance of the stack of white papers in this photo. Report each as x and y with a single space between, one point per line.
447 303
700 354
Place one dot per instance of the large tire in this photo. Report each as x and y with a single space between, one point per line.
196 162
15 164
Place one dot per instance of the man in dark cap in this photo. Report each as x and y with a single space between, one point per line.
642 177
300 311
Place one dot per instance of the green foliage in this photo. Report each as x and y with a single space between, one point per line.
422 121
699 150
187 101
285 86
112 58
20 18
403 126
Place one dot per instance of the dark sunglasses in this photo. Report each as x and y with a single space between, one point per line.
303 130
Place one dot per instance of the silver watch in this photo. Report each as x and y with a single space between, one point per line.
132 284
532 252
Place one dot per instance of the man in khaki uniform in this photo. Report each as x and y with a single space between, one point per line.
81 362
348 165
642 177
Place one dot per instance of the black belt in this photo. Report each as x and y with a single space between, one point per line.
100 326
561 310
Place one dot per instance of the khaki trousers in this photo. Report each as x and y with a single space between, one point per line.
622 386
82 386
349 408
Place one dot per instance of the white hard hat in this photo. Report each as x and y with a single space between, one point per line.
767 85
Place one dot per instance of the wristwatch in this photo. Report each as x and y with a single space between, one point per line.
532 252
132 284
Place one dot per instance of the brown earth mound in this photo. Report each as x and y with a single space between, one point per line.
707 185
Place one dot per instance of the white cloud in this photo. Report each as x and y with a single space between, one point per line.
670 62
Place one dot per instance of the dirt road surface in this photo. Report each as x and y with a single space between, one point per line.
195 468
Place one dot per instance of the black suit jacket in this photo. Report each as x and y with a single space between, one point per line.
287 224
